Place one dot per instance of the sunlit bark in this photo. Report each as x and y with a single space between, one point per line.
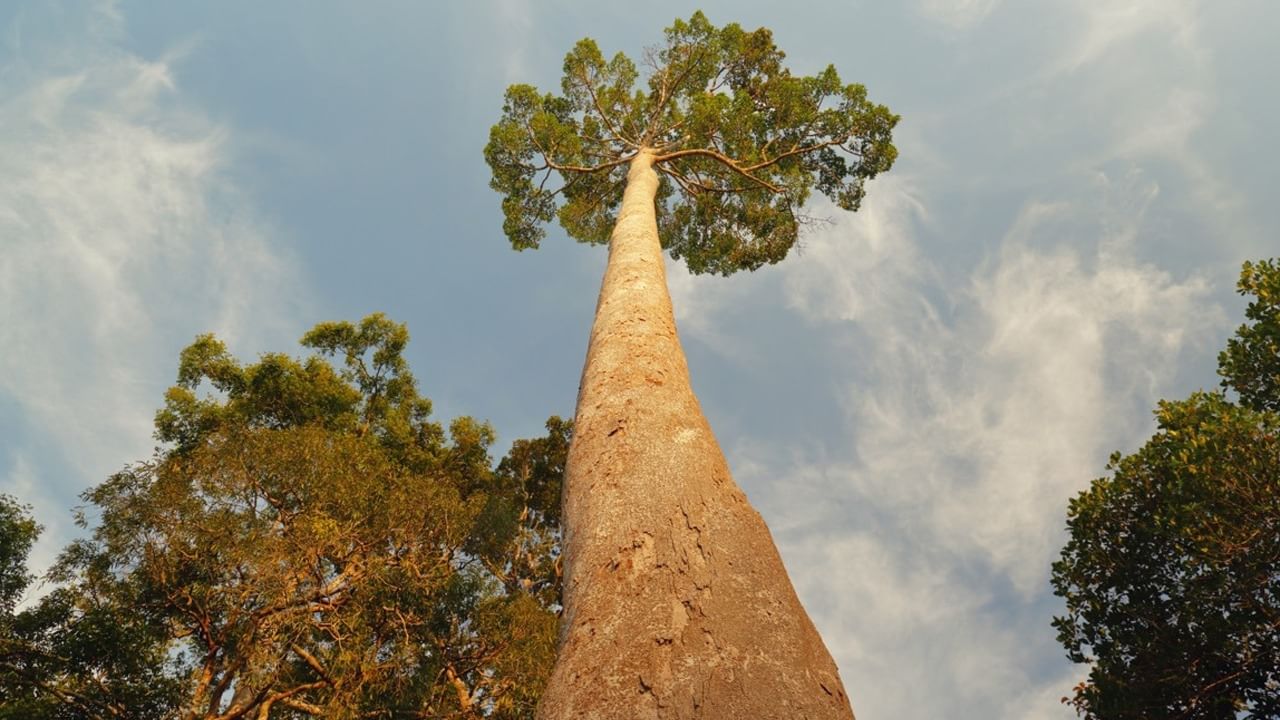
676 601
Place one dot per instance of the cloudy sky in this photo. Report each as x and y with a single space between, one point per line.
910 400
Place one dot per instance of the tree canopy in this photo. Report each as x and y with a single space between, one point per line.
738 141
307 543
1251 363
18 533
1171 575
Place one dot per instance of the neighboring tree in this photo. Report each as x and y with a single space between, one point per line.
308 543
18 532
676 601
1251 363
1172 572
31 661
85 652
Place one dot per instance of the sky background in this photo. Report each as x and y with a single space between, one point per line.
910 399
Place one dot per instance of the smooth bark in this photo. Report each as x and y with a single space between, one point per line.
677 604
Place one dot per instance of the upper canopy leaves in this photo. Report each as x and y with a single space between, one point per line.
739 143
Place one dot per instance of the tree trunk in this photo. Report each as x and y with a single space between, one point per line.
676 601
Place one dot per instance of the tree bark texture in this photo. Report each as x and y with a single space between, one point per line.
677 604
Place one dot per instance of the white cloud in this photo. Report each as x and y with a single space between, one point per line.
958 14
844 281
515 21
1146 76
120 240
698 303
1107 26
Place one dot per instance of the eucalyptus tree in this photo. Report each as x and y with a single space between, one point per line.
307 542
676 603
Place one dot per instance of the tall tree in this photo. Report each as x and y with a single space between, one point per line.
676 601
1171 574
307 543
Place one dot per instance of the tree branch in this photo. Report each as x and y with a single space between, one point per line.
604 117
798 150
311 662
723 160
666 92
464 692
581 169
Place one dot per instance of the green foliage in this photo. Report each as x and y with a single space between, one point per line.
77 634
1172 572
308 543
1251 363
522 549
739 143
86 652
17 534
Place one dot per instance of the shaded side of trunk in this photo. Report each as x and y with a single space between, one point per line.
676 601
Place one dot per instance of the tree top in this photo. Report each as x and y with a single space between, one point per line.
738 141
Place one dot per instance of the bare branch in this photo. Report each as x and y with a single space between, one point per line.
723 160
604 117
593 169
311 662
666 92
305 707
694 186
797 150
464 692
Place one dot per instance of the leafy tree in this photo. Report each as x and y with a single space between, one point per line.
1172 572
1251 363
308 543
39 648
676 601
84 652
18 532
738 142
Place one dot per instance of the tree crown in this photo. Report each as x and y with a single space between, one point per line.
739 143
1170 572
307 543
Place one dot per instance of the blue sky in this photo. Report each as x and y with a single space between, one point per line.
909 400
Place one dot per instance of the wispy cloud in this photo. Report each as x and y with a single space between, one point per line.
976 403
120 239
1144 72
957 14
515 21
1108 26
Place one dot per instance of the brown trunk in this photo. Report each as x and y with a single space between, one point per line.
676 601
